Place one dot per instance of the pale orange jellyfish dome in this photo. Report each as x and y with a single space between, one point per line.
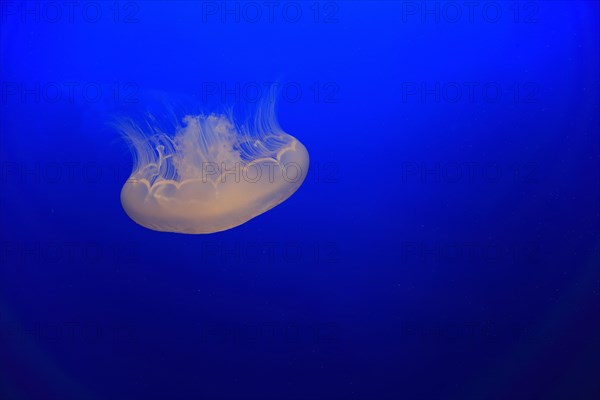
210 174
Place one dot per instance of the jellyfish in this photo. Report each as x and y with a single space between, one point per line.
207 172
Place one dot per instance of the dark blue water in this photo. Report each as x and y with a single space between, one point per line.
445 244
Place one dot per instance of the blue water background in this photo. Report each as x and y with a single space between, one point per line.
445 244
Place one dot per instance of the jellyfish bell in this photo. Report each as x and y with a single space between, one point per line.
207 173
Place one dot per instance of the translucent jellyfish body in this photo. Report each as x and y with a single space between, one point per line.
210 174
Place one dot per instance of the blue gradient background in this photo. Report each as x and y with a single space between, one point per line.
440 248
